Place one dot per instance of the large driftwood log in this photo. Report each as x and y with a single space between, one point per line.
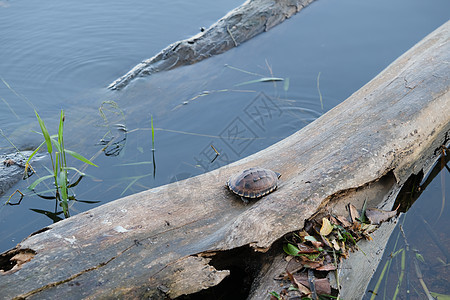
236 27
158 243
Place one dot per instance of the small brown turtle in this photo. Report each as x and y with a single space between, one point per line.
253 183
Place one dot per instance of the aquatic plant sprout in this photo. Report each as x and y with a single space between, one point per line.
59 170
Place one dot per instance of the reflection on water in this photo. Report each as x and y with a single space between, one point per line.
415 262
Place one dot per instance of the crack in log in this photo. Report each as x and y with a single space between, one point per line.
385 179
243 265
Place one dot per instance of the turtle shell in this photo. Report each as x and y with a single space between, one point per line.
254 182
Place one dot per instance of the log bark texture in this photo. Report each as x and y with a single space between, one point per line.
156 243
239 25
12 168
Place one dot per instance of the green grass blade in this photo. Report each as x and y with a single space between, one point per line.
440 296
80 157
264 79
45 133
61 137
134 179
56 144
74 169
380 279
60 129
275 294
48 170
10 108
57 169
402 273
318 89
63 185
241 70
129 185
34 153
153 134
37 181
17 94
286 84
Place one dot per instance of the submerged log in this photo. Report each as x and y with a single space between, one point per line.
236 27
12 168
158 243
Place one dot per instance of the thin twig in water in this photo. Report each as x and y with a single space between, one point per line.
215 150
243 71
18 95
10 108
318 89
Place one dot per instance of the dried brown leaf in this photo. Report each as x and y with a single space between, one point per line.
335 245
376 216
326 228
316 244
344 222
329 267
294 266
307 263
302 288
305 249
298 280
354 214
333 220
322 284
326 241
368 228
344 250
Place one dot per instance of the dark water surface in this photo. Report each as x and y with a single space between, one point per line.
424 242
62 55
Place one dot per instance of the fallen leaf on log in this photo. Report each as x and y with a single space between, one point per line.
345 223
335 245
294 266
308 263
326 241
376 216
368 228
328 267
322 284
305 249
326 228
354 214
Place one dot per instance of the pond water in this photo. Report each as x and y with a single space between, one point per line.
63 55
419 245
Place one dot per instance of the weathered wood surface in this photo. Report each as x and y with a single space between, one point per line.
236 27
12 167
147 244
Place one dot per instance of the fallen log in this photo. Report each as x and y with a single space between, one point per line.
12 167
162 242
239 25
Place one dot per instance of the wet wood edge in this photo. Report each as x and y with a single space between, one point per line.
239 25
144 244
